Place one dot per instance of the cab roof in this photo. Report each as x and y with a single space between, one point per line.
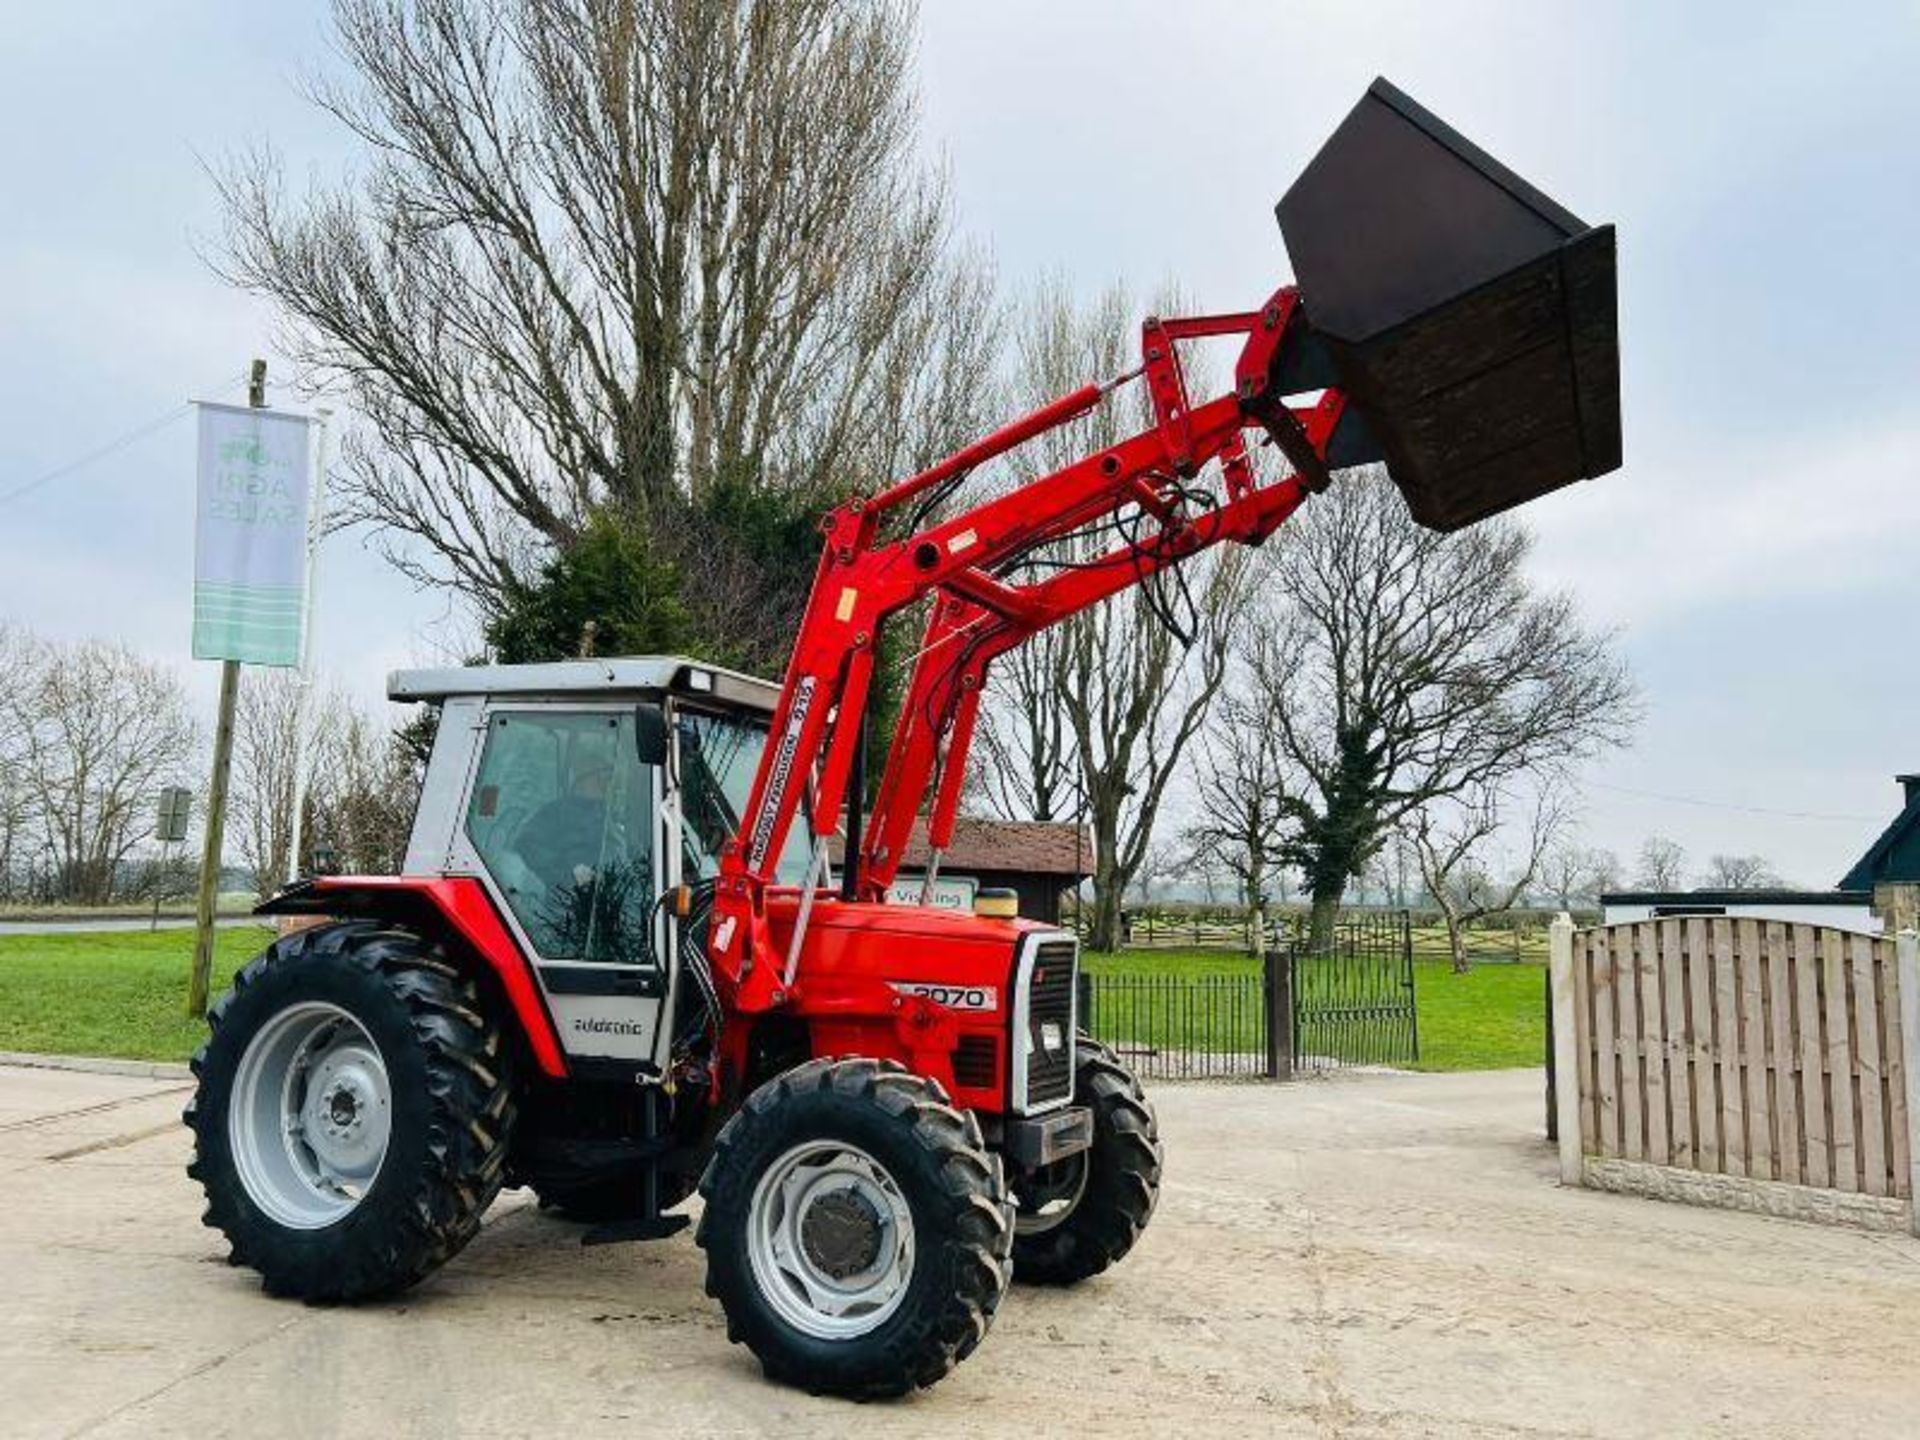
582 679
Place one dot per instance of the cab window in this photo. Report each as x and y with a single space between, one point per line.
562 816
718 757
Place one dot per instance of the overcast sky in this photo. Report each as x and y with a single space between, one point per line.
1757 552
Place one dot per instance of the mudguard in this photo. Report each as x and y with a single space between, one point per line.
457 903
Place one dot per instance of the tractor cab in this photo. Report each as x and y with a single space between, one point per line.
580 795
583 805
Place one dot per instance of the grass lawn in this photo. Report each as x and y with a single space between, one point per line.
123 995
1491 1018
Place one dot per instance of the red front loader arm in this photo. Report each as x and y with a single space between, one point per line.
864 579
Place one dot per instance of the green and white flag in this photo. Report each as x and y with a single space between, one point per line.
250 536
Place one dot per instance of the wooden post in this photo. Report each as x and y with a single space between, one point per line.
1553 1063
1566 1062
1907 968
1276 993
1897 906
214 841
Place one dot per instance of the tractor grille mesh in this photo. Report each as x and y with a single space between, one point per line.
1050 1003
975 1060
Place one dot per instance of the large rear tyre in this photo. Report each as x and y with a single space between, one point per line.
353 1114
1077 1217
858 1232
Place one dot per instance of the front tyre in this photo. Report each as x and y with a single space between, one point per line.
858 1233
1080 1215
353 1113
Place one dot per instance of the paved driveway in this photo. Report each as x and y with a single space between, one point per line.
1365 1256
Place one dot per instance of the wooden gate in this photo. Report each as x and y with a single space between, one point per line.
1739 1062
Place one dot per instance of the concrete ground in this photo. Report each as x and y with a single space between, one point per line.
1381 1255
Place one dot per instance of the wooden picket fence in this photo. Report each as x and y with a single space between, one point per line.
1740 1062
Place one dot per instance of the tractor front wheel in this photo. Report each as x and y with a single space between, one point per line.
858 1232
353 1113
1080 1215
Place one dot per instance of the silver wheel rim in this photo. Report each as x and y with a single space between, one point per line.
310 1116
830 1240
1040 1208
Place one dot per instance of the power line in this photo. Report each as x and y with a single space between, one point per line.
1742 809
138 433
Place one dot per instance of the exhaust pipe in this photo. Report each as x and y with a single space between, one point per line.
1469 318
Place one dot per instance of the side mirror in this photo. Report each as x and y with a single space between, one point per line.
650 734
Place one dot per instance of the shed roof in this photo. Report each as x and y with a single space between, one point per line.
1023 847
1738 897
1895 856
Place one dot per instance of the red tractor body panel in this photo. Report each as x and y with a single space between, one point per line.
463 905
926 987
933 989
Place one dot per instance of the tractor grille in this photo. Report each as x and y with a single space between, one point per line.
974 1061
1050 1006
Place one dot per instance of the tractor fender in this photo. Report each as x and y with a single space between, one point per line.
458 904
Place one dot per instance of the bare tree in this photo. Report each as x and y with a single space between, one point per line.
1662 864
1162 864
1741 872
1400 668
366 789
1206 872
1604 873
267 759
98 731
1451 839
1576 875
14 672
1400 868
1242 824
1135 697
1104 705
612 254
1024 730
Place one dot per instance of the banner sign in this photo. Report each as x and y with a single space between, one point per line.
250 536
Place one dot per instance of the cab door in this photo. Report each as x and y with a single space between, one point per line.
563 819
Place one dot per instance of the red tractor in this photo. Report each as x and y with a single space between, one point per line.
615 968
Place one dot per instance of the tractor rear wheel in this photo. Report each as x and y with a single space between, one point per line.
353 1113
1080 1215
858 1232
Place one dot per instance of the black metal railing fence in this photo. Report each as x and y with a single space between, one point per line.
1346 1001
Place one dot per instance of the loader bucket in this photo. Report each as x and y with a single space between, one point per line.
1468 317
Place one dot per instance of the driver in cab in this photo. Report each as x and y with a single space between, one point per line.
561 841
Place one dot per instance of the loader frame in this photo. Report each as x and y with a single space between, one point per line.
980 610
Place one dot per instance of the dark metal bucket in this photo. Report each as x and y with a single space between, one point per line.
1469 318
